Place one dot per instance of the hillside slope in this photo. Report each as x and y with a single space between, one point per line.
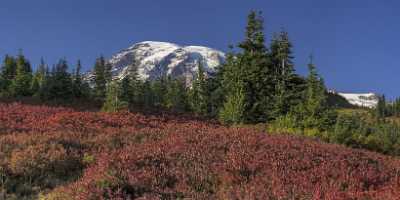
88 155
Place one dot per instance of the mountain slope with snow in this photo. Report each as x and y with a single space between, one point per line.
156 59
369 100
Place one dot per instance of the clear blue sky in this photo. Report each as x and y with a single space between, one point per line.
355 42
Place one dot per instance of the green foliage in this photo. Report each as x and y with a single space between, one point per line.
100 79
21 83
132 87
80 88
175 98
113 101
39 78
198 94
234 108
58 85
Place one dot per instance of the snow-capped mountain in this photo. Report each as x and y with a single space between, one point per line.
369 100
157 59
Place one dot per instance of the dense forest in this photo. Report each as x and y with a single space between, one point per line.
257 84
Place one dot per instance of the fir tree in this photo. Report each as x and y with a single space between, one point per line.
107 72
198 93
175 98
21 84
38 78
236 99
79 89
8 71
113 102
131 88
314 108
158 92
234 108
147 99
381 108
60 84
255 71
286 90
100 79
9 68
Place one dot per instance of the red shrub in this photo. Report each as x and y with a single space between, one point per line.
131 156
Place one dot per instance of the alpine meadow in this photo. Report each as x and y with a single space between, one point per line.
163 121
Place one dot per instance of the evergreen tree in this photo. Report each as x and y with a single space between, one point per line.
44 91
100 79
158 92
7 74
60 82
21 84
147 99
131 87
175 98
314 109
38 78
79 89
234 108
381 108
107 72
113 102
287 89
198 94
254 67
8 71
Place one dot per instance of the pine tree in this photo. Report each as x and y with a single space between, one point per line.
100 79
9 68
234 108
108 72
236 98
314 109
8 71
38 78
131 87
44 91
198 94
287 89
60 83
255 71
113 102
78 87
21 84
381 107
175 98
147 99
158 92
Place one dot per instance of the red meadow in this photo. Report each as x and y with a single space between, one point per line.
59 153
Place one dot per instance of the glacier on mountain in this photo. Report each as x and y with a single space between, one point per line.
157 59
369 100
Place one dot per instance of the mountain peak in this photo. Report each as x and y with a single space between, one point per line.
155 59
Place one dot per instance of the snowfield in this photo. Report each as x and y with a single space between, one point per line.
369 100
156 59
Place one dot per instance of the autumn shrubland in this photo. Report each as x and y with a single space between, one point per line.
59 153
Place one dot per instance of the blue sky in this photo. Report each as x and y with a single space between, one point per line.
355 43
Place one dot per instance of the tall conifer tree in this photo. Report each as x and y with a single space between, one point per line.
21 84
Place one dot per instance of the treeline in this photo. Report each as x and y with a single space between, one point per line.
17 80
